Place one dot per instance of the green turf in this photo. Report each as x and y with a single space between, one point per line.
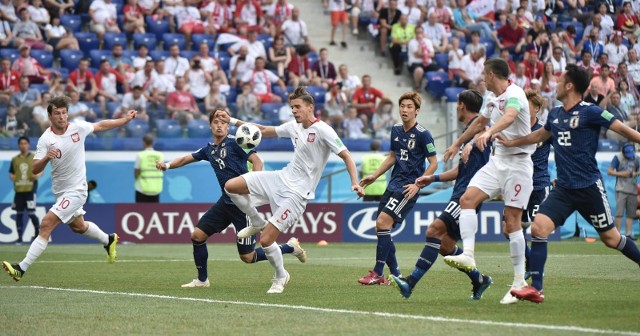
587 286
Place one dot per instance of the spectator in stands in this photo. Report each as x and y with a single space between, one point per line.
540 45
586 62
23 101
8 11
83 81
189 22
107 80
215 99
294 30
592 43
628 102
467 21
279 56
594 97
506 56
104 17
362 9
211 65
475 44
145 78
58 37
471 69
336 104
175 64
198 80
134 100
249 14
365 98
28 33
300 67
58 85
537 28
285 113
353 126
633 65
627 21
277 13
162 84
9 81
219 18
524 18
261 80
39 116
30 68
349 83
413 12
596 21
323 72
383 120
38 14
117 62
387 17
565 40
338 11
510 36
401 33
548 84
421 53
616 51
11 125
240 65
133 17
181 105
605 84
248 104
558 61
6 36
141 58
455 56
614 107
254 47
519 77
59 7
78 110
533 66
443 14
624 75
436 32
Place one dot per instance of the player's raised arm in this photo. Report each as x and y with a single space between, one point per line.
105 125
384 166
267 131
537 136
345 155
626 131
175 163
476 127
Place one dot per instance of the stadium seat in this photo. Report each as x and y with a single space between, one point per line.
232 95
318 93
95 107
137 128
168 128
71 22
188 54
442 59
149 40
157 27
198 129
608 145
437 82
270 112
112 107
197 39
64 72
110 39
278 91
551 26
87 42
130 54
11 54
97 56
490 46
223 58
159 54
313 57
42 88
70 59
45 57
452 94
170 39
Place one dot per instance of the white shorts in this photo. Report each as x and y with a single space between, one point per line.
69 204
511 176
267 187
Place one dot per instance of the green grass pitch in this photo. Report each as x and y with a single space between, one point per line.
589 289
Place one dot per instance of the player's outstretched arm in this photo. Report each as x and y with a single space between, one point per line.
477 126
537 136
447 176
384 166
267 131
105 125
256 161
626 131
175 163
345 155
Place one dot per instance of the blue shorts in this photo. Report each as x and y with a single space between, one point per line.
536 198
394 204
220 216
451 218
24 201
591 202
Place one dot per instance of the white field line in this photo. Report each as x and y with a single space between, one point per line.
341 311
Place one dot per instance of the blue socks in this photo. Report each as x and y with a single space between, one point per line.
427 258
629 249
537 261
382 250
392 261
260 255
36 223
200 256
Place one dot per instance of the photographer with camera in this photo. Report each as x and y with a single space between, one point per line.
199 80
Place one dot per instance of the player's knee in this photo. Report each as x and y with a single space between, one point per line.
247 258
384 223
198 235
436 230
467 202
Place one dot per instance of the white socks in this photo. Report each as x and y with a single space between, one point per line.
94 232
517 247
35 250
468 229
274 254
243 202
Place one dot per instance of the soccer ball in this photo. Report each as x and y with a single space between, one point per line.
248 136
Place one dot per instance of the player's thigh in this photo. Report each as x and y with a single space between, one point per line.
396 206
69 205
216 219
287 207
557 207
487 181
594 206
536 198
517 182
262 185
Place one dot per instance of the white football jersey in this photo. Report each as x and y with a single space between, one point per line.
513 97
68 170
312 147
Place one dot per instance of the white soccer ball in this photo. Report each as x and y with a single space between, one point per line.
248 136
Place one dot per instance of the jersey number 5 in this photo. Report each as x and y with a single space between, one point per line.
564 138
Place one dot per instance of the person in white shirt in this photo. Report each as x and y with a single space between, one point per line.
58 37
141 58
8 11
261 80
287 191
199 80
294 30
240 65
349 82
361 9
103 17
176 65
219 18
558 60
211 65
40 117
134 100
413 13
519 78
189 22
616 50
38 13
255 48
471 69
436 32
77 110
162 84
63 145
421 53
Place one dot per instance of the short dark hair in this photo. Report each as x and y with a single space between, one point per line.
116 45
413 96
472 100
604 66
498 66
57 102
376 145
148 139
23 138
303 94
577 76
212 114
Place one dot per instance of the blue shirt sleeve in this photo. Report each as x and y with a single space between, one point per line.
241 152
394 144
429 144
615 163
599 117
200 154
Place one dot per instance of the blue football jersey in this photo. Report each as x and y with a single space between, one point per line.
575 142
411 149
227 159
477 160
540 158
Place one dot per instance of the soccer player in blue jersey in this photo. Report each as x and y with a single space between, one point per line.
228 160
443 233
411 145
574 128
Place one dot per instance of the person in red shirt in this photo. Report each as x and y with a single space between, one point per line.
29 67
510 36
181 105
83 81
133 17
627 20
300 68
9 81
533 68
364 99
506 55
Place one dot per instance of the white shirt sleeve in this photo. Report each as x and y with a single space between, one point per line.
273 78
331 139
42 148
286 130
84 127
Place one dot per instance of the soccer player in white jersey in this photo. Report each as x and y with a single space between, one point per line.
63 145
509 171
287 191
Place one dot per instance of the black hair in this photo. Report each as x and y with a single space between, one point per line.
577 76
303 94
23 138
498 66
472 100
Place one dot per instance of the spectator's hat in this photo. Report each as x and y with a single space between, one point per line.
535 81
